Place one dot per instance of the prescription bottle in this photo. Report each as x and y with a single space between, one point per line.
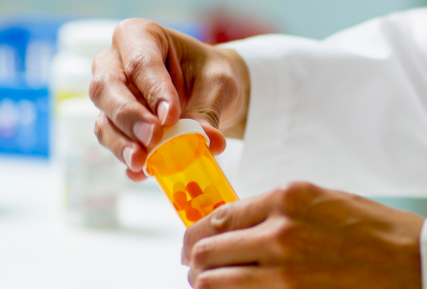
187 172
79 42
91 176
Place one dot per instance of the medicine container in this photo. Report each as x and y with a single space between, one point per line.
187 172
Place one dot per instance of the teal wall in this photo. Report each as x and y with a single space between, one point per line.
319 19
415 205
310 18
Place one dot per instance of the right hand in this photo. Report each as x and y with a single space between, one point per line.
151 77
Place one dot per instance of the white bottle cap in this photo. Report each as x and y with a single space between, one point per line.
79 42
182 127
88 37
77 118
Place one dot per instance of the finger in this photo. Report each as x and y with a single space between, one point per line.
245 277
213 92
109 92
125 149
288 276
217 139
232 216
231 248
144 59
323 207
136 176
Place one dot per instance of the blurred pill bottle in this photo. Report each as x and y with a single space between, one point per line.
187 172
79 42
92 176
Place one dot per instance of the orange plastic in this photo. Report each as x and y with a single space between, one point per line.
191 178
194 189
219 204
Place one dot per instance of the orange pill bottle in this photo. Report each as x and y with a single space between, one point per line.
187 172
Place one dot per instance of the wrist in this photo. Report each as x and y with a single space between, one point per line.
233 122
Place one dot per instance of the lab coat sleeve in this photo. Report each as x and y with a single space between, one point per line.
348 113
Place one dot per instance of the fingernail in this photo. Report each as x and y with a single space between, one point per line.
219 221
162 111
184 260
127 156
182 257
144 132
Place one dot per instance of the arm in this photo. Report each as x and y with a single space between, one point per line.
347 113
303 236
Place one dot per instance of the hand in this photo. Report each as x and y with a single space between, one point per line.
151 77
302 236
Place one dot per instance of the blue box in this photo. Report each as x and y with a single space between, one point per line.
27 45
24 121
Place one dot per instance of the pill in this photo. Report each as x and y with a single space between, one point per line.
217 205
178 187
202 201
180 201
213 192
207 210
194 189
193 215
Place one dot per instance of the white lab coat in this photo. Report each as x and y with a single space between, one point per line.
347 113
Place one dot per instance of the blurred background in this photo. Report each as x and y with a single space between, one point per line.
68 216
309 18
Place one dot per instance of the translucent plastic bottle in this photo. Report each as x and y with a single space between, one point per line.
92 175
188 173
79 42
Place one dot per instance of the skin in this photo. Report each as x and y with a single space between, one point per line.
147 64
296 236
302 236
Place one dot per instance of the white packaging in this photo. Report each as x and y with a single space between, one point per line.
92 174
79 42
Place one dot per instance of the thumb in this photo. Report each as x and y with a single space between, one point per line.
217 139
208 116
213 94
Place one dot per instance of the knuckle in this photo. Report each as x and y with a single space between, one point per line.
212 114
279 239
125 24
136 64
222 218
115 145
122 26
203 281
98 85
123 114
96 61
152 92
226 83
295 198
201 253
100 127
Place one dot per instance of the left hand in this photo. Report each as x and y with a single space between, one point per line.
302 236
